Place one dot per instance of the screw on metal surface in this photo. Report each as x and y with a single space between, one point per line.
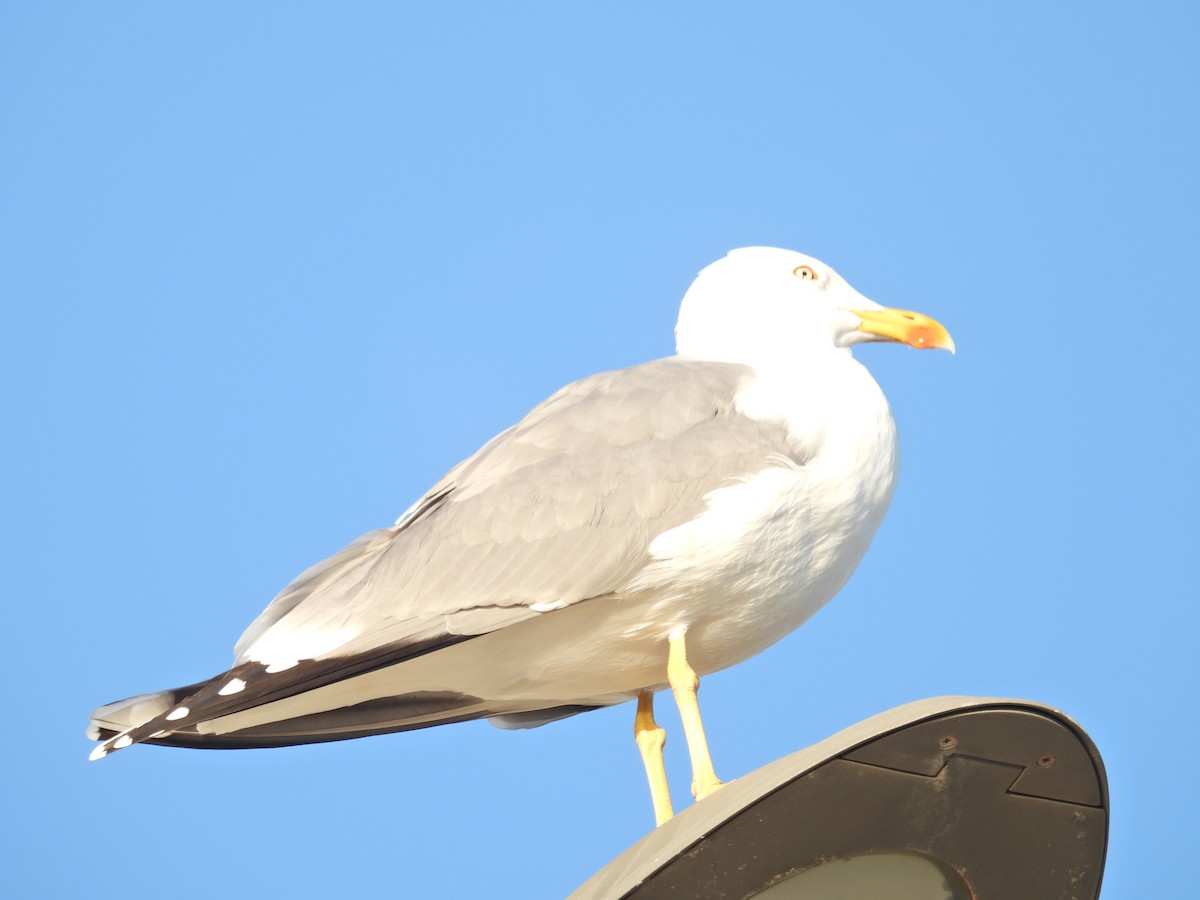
1046 761
949 742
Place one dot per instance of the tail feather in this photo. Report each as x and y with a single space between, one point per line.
120 716
259 704
381 716
152 717
190 717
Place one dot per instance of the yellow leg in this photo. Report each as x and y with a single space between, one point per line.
684 683
650 740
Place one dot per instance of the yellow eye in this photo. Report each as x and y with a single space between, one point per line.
805 273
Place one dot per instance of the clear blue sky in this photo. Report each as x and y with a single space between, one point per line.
269 269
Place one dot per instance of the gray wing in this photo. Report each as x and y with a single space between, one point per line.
557 509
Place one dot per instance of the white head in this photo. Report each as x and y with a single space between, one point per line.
763 305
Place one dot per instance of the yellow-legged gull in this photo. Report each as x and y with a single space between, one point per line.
637 529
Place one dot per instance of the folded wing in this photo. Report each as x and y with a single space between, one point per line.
557 510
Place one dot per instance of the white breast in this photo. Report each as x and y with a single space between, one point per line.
770 551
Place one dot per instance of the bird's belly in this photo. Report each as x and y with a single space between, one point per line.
765 556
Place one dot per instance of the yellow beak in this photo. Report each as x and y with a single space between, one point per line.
905 327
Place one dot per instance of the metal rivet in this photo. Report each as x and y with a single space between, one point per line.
1046 761
949 742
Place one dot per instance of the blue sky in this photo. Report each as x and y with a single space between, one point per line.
269 269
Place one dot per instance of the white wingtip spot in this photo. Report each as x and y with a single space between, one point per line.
122 742
98 753
281 648
93 733
233 687
176 714
548 607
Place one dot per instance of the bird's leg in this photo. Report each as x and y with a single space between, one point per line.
650 740
685 683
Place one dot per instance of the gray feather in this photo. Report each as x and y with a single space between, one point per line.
557 509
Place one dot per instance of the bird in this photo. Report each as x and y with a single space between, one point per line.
637 530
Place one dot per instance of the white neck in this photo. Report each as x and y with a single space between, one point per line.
838 420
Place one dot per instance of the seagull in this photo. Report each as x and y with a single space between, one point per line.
635 531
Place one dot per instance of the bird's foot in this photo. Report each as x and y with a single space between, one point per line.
701 789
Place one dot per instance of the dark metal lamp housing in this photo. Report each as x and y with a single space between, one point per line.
954 798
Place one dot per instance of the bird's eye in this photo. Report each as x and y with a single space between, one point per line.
805 273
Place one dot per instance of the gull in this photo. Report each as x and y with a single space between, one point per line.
635 531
